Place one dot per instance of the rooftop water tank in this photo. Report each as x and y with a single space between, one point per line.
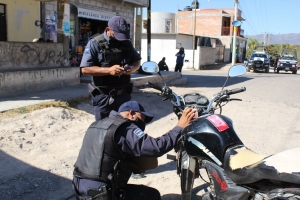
197 5
187 8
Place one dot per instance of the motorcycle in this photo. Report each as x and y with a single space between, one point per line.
210 142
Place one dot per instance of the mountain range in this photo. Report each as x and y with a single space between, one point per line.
289 38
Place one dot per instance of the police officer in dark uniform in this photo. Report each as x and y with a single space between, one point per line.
110 59
111 148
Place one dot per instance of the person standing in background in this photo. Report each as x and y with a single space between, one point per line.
180 58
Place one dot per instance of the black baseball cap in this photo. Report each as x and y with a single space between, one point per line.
119 26
136 107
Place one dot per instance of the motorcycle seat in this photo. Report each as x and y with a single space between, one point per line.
244 166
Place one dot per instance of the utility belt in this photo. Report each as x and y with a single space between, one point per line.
94 90
102 193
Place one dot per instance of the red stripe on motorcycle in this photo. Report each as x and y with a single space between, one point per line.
218 122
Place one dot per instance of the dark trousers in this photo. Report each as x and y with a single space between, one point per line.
164 68
141 192
133 192
178 67
102 106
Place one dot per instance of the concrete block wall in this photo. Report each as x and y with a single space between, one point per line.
31 67
207 56
227 55
22 82
30 55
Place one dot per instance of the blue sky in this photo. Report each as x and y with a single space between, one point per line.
271 16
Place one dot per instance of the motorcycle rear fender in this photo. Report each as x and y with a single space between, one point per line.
224 187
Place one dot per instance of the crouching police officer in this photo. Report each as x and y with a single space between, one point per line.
110 150
110 59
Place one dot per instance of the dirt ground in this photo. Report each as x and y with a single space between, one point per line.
38 149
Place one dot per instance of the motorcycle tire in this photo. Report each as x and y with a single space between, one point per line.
187 175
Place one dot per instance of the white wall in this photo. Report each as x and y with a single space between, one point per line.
167 45
161 46
158 22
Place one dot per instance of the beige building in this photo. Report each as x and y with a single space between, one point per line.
18 20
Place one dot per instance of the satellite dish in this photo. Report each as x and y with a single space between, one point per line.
236 23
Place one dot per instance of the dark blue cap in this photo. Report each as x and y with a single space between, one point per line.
136 107
119 26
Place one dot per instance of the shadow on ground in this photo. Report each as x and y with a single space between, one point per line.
31 183
194 194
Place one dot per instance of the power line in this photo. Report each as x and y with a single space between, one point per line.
267 15
247 19
262 17
256 11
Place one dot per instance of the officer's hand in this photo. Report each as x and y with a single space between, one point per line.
186 117
127 72
116 70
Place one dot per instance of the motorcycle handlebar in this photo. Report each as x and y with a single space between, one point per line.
237 90
154 86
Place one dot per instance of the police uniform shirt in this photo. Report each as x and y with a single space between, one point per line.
132 140
92 55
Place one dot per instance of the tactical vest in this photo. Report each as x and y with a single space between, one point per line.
99 154
113 56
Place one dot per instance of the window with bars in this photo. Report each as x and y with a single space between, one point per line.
168 25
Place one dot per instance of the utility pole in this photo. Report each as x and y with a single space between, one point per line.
149 32
138 28
234 33
194 37
61 38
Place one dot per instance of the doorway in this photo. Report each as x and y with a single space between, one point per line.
3 32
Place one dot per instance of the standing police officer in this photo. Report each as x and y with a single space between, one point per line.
110 150
110 59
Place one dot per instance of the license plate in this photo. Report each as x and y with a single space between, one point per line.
287 68
257 65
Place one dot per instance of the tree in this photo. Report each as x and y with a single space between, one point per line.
252 43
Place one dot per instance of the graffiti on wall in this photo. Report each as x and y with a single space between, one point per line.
14 56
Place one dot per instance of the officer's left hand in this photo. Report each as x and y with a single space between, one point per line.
186 117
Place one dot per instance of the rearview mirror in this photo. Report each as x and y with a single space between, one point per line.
150 67
237 70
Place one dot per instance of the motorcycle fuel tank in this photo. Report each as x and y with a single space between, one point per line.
209 136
